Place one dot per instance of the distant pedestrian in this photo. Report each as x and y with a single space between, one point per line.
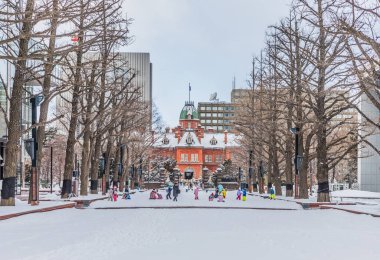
175 193
244 194
115 195
238 194
216 193
110 194
211 197
196 192
272 194
126 195
169 190
224 193
220 197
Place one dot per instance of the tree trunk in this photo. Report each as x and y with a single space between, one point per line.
322 166
48 69
14 131
71 139
95 165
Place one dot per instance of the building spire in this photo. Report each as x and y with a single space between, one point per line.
189 91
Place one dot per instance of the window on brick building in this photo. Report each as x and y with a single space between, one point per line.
208 158
184 157
218 158
194 157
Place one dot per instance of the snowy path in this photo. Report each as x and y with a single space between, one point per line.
190 234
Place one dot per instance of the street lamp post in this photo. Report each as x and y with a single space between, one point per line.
101 173
297 159
250 172
34 182
261 181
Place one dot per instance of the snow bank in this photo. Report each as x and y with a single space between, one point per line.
355 194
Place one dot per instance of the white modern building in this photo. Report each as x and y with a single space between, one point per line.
368 159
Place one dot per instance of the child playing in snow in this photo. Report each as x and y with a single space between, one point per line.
211 197
272 196
115 195
220 197
238 194
126 195
196 191
110 194
224 193
244 194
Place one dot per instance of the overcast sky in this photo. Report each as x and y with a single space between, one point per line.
204 42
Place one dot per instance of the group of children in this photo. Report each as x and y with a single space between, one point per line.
240 192
220 194
155 195
113 194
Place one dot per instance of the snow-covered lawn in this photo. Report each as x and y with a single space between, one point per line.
22 206
166 234
355 194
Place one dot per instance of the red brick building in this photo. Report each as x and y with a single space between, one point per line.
193 147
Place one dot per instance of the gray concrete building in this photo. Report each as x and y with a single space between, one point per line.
368 159
140 63
217 115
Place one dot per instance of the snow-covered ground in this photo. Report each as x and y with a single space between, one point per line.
141 199
190 234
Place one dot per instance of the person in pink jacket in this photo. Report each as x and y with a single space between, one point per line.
238 194
196 192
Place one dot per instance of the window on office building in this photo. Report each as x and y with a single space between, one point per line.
203 114
208 115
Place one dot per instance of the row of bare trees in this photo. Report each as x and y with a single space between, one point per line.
314 68
68 51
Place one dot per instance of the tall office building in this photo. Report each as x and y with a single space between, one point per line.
368 159
140 63
217 115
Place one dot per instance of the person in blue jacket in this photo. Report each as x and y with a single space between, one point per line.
272 196
244 194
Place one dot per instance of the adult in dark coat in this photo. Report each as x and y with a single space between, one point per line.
175 192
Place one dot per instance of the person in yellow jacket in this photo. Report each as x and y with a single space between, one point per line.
224 193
